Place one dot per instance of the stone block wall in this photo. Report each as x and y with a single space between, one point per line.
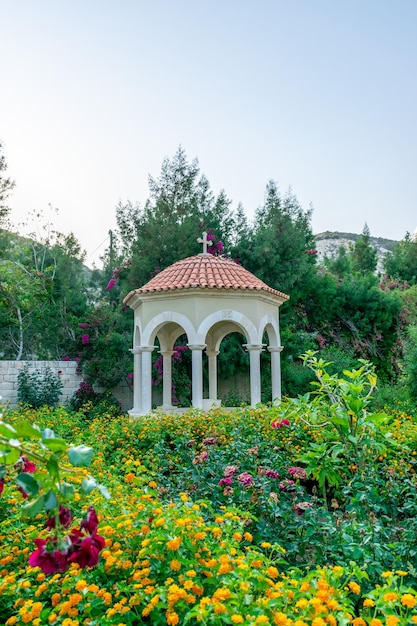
66 370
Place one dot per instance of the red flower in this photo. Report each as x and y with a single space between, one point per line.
64 518
277 424
86 553
111 284
91 522
28 466
50 561
2 483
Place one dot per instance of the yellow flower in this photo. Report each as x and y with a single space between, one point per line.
368 602
55 599
248 536
262 619
387 574
272 572
80 585
280 619
237 619
175 565
408 600
13 620
375 622
391 596
301 604
174 544
237 536
354 587
401 572
414 619
358 621
392 620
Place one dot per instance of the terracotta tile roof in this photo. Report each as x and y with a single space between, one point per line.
205 271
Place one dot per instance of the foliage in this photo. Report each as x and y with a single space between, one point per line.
38 388
43 291
6 186
35 461
411 361
180 207
180 547
364 255
91 403
401 263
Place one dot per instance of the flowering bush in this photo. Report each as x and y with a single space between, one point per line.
213 520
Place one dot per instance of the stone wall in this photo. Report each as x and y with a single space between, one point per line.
66 370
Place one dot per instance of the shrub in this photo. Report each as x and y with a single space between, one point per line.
39 388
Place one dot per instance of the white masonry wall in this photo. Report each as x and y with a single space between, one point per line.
66 370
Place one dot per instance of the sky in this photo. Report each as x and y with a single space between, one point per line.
318 95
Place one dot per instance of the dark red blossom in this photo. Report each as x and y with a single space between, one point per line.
48 557
87 551
90 523
64 518
28 466
279 424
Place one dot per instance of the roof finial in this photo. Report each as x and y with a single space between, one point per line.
206 242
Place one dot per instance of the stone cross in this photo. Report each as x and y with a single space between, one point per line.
206 242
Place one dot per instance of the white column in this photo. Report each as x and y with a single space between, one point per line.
255 372
167 379
276 371
197 375
137 382
212 367
147 378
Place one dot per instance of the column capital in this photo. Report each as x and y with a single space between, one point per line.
140 349
166 352
253 346
212 352
196 346
275 348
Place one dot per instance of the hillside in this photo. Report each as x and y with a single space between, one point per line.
328 243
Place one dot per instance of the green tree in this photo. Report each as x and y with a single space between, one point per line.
180 206
43 294
280 248
364 255
401 263
6 186
341 263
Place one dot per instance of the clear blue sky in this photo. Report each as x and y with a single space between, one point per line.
319 95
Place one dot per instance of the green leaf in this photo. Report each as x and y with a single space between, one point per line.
67 491
26 430
9 456
31 509
53 469
6 430
48 434
89 484
28 483
55 444
80 456
50 500
104 491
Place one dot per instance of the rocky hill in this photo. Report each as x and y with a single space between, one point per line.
328 243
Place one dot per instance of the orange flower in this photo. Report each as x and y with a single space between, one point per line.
174 544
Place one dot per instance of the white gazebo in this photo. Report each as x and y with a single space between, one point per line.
205 297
